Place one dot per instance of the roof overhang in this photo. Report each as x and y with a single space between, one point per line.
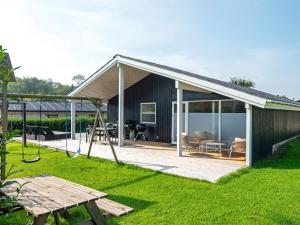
280 106
143 69
104 83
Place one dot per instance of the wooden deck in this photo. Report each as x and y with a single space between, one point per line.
191 153
150 145
151 155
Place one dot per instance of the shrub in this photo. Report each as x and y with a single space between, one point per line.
56 124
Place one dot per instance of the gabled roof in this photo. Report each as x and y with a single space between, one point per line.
247 95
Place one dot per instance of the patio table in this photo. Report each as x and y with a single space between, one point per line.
215 145
45 194
101 130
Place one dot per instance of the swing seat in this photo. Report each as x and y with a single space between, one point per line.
31 160
70 155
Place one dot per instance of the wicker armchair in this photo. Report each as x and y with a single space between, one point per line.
239 145
209 136
187 144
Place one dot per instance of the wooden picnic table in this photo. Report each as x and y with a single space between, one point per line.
46 194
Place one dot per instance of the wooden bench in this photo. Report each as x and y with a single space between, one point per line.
110 208
113 208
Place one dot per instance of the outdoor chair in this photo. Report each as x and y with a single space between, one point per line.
114 132
206 137
186 141
238 145
197 140
209 136
88 134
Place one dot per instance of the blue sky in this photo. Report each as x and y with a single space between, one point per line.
258 40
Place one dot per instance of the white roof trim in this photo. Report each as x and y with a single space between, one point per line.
94 77
281 106
197 82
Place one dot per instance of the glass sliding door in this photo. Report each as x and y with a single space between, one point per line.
203 117
233 122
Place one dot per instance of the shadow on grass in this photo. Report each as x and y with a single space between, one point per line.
79 214
280 218
151 166
136 204
288 157
237 174
130 182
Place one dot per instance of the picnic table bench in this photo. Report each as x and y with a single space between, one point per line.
45 194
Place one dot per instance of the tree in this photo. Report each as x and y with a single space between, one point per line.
242 82
6 69
78 79
283 96
33 85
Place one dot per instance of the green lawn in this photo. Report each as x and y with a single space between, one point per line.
266 194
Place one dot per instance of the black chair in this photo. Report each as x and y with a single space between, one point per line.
140 128
113 133
88 133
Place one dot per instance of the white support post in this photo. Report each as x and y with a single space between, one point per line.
121 106
213 117
179 121
186 118
73 119
220 121
248 134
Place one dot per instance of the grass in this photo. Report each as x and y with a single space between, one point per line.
269 193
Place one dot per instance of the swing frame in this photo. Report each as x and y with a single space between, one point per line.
24 142
69 154
4 114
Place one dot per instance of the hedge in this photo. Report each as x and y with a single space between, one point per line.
56 124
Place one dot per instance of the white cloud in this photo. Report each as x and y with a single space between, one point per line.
58 39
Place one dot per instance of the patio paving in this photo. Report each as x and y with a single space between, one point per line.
156 159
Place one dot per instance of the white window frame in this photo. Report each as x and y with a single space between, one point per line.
149 113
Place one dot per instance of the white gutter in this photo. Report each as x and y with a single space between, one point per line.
271 104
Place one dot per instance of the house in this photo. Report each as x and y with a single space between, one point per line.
50 109
173 101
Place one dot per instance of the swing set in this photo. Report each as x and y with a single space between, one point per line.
71 154
38 155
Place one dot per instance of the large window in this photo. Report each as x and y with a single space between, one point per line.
233 107
203 107
148 112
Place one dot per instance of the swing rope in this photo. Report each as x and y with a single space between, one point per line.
69 154
38 156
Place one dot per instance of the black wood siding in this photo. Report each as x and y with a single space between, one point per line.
154 88
271 127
